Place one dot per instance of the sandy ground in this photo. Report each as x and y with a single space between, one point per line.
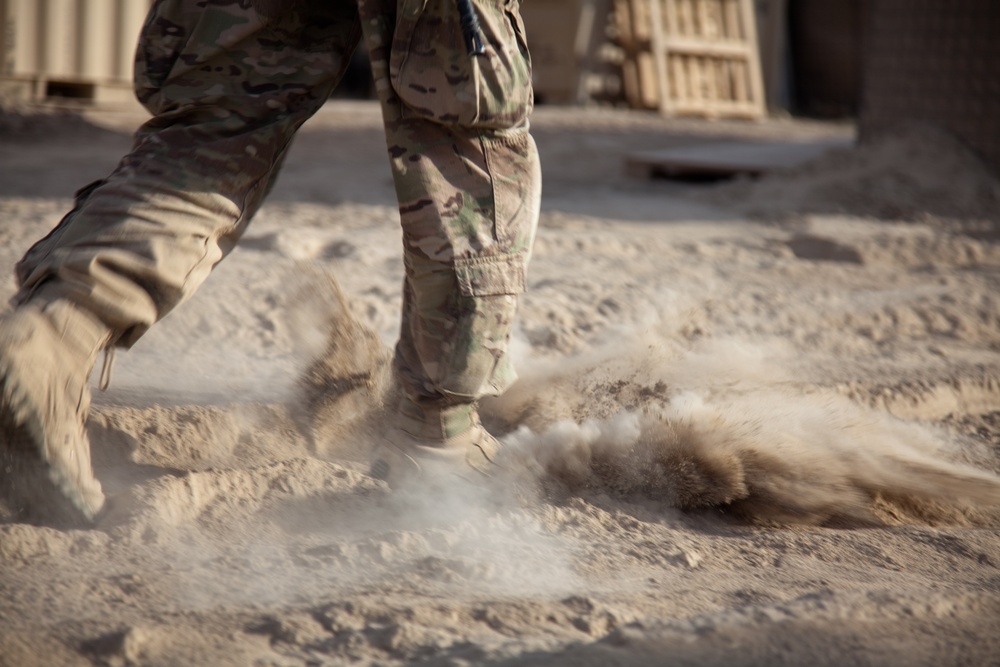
758 423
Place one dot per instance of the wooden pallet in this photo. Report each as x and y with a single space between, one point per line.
635 37
691 57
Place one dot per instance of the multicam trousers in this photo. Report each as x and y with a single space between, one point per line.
228 85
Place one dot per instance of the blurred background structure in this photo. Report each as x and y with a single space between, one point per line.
880 62
935 62
69 50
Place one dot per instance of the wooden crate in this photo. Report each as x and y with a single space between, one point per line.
635 37
691 57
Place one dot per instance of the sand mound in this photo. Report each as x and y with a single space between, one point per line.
907 172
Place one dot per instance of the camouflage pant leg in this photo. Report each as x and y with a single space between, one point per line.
227 91
468 181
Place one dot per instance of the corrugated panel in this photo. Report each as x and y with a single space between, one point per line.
69 41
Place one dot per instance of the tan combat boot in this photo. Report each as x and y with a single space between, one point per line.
48 347
429 449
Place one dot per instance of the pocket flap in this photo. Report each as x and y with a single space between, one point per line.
491 276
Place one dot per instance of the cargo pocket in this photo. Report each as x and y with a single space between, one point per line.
437 79
477 363
491 276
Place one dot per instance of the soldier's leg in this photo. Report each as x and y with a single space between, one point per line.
467 176
227 90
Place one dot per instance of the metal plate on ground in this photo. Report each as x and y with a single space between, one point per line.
730 158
